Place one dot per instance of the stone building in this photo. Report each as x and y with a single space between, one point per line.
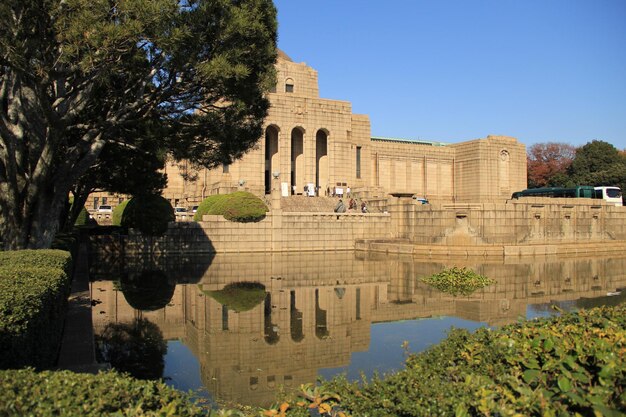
312 143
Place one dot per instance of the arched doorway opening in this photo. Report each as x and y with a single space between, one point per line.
271 156
321 161
297 160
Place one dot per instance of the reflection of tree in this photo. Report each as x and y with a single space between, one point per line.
108 260
148 291
137 348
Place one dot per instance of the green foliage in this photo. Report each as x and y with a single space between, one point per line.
150 214
240 206
135 75
206 204
136 348
28 393
551 367
457 281
118 213
50 258
33 293
34 285
240 296
598 163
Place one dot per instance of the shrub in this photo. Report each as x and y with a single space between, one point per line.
149 214
458 281
240 206
206 204
26 392
240 296
118 212
568 365
32 310
52 258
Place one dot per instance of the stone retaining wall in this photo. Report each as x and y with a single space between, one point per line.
279 231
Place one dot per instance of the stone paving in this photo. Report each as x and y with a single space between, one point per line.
77 351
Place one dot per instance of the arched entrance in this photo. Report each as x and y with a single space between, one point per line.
297 160
321 161
271 156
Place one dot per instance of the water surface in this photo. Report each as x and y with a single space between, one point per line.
321 314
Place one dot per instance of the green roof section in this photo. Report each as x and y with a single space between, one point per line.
412 141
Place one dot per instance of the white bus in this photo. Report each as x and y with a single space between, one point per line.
610 194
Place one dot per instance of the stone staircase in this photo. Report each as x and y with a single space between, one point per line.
300 203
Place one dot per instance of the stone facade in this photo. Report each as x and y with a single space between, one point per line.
315 141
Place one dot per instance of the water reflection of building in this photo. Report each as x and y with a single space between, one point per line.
318 309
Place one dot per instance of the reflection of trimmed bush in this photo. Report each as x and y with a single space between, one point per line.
240 296
240 206
147 291
137 348
149 214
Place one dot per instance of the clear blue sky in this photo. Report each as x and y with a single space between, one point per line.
455 70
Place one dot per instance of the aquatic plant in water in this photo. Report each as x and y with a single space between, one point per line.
457 281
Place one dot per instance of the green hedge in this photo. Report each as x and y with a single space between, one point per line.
240 206
52 258
569 365
28 393
32 309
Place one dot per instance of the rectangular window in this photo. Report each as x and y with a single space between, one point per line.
95 203
225 168
288 88
358 162
104 201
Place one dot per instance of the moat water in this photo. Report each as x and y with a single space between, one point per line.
239 327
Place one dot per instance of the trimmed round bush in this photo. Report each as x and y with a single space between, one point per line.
240 206
149 214
118 212
83 218
206 205
25 392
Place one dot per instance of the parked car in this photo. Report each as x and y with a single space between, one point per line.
194 209
180 210
105 209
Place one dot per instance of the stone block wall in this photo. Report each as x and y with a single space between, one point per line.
279 231
517 222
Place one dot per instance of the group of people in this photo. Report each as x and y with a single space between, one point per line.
341 207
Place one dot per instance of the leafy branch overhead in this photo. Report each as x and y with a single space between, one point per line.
181 77
457 281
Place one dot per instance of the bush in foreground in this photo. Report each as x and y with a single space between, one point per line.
26 392
563 366
34 286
